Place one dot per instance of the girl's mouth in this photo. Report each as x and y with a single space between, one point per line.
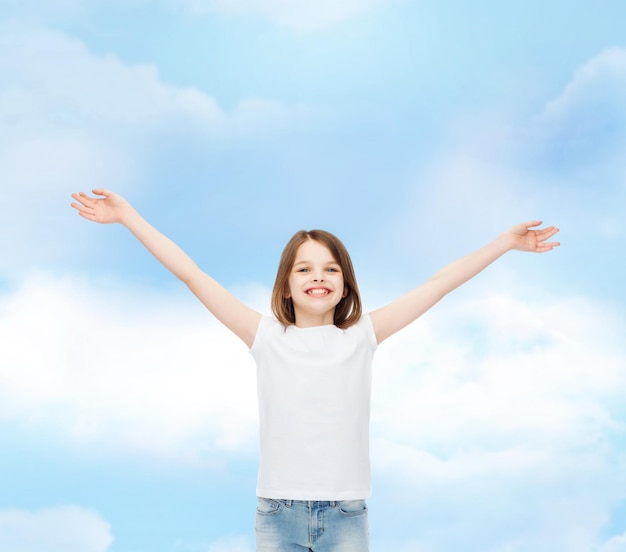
318 292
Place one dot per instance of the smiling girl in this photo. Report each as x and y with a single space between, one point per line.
313 362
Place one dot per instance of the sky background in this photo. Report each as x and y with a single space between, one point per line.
416 130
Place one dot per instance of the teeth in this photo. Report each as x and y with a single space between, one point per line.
317 292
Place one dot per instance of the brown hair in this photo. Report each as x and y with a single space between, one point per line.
348 310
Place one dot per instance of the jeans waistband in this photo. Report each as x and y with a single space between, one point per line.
312 503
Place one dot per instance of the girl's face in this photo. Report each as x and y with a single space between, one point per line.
315 285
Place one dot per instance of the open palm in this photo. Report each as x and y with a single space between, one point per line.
107 209
525 239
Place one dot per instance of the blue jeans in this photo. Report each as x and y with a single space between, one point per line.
311 526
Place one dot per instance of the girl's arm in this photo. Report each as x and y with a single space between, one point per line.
236 316
404 310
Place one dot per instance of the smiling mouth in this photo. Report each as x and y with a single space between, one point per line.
318 292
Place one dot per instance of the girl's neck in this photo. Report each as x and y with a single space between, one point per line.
310 320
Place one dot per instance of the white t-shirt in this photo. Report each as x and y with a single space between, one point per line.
314 387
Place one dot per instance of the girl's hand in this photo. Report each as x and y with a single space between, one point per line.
108 209
524 239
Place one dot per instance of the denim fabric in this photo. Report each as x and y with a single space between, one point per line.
311 526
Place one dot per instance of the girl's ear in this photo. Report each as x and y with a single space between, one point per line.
287 293
345 292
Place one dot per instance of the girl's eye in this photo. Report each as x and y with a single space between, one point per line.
329 269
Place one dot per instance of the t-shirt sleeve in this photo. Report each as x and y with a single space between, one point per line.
264 327
365 323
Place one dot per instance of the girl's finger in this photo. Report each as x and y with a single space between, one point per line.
83 199
82 208
88 216
549 232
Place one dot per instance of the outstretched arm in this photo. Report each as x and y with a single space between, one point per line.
404 310
113 208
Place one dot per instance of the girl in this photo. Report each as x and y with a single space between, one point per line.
313 370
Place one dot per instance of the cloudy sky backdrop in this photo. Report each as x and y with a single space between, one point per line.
416 130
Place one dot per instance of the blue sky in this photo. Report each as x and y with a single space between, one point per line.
414 130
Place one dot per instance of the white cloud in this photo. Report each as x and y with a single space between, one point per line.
54 85
565 165
599 83
585 125
539 368
500 370
125 369
62 529
71 120
303 15
51 77
508 402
